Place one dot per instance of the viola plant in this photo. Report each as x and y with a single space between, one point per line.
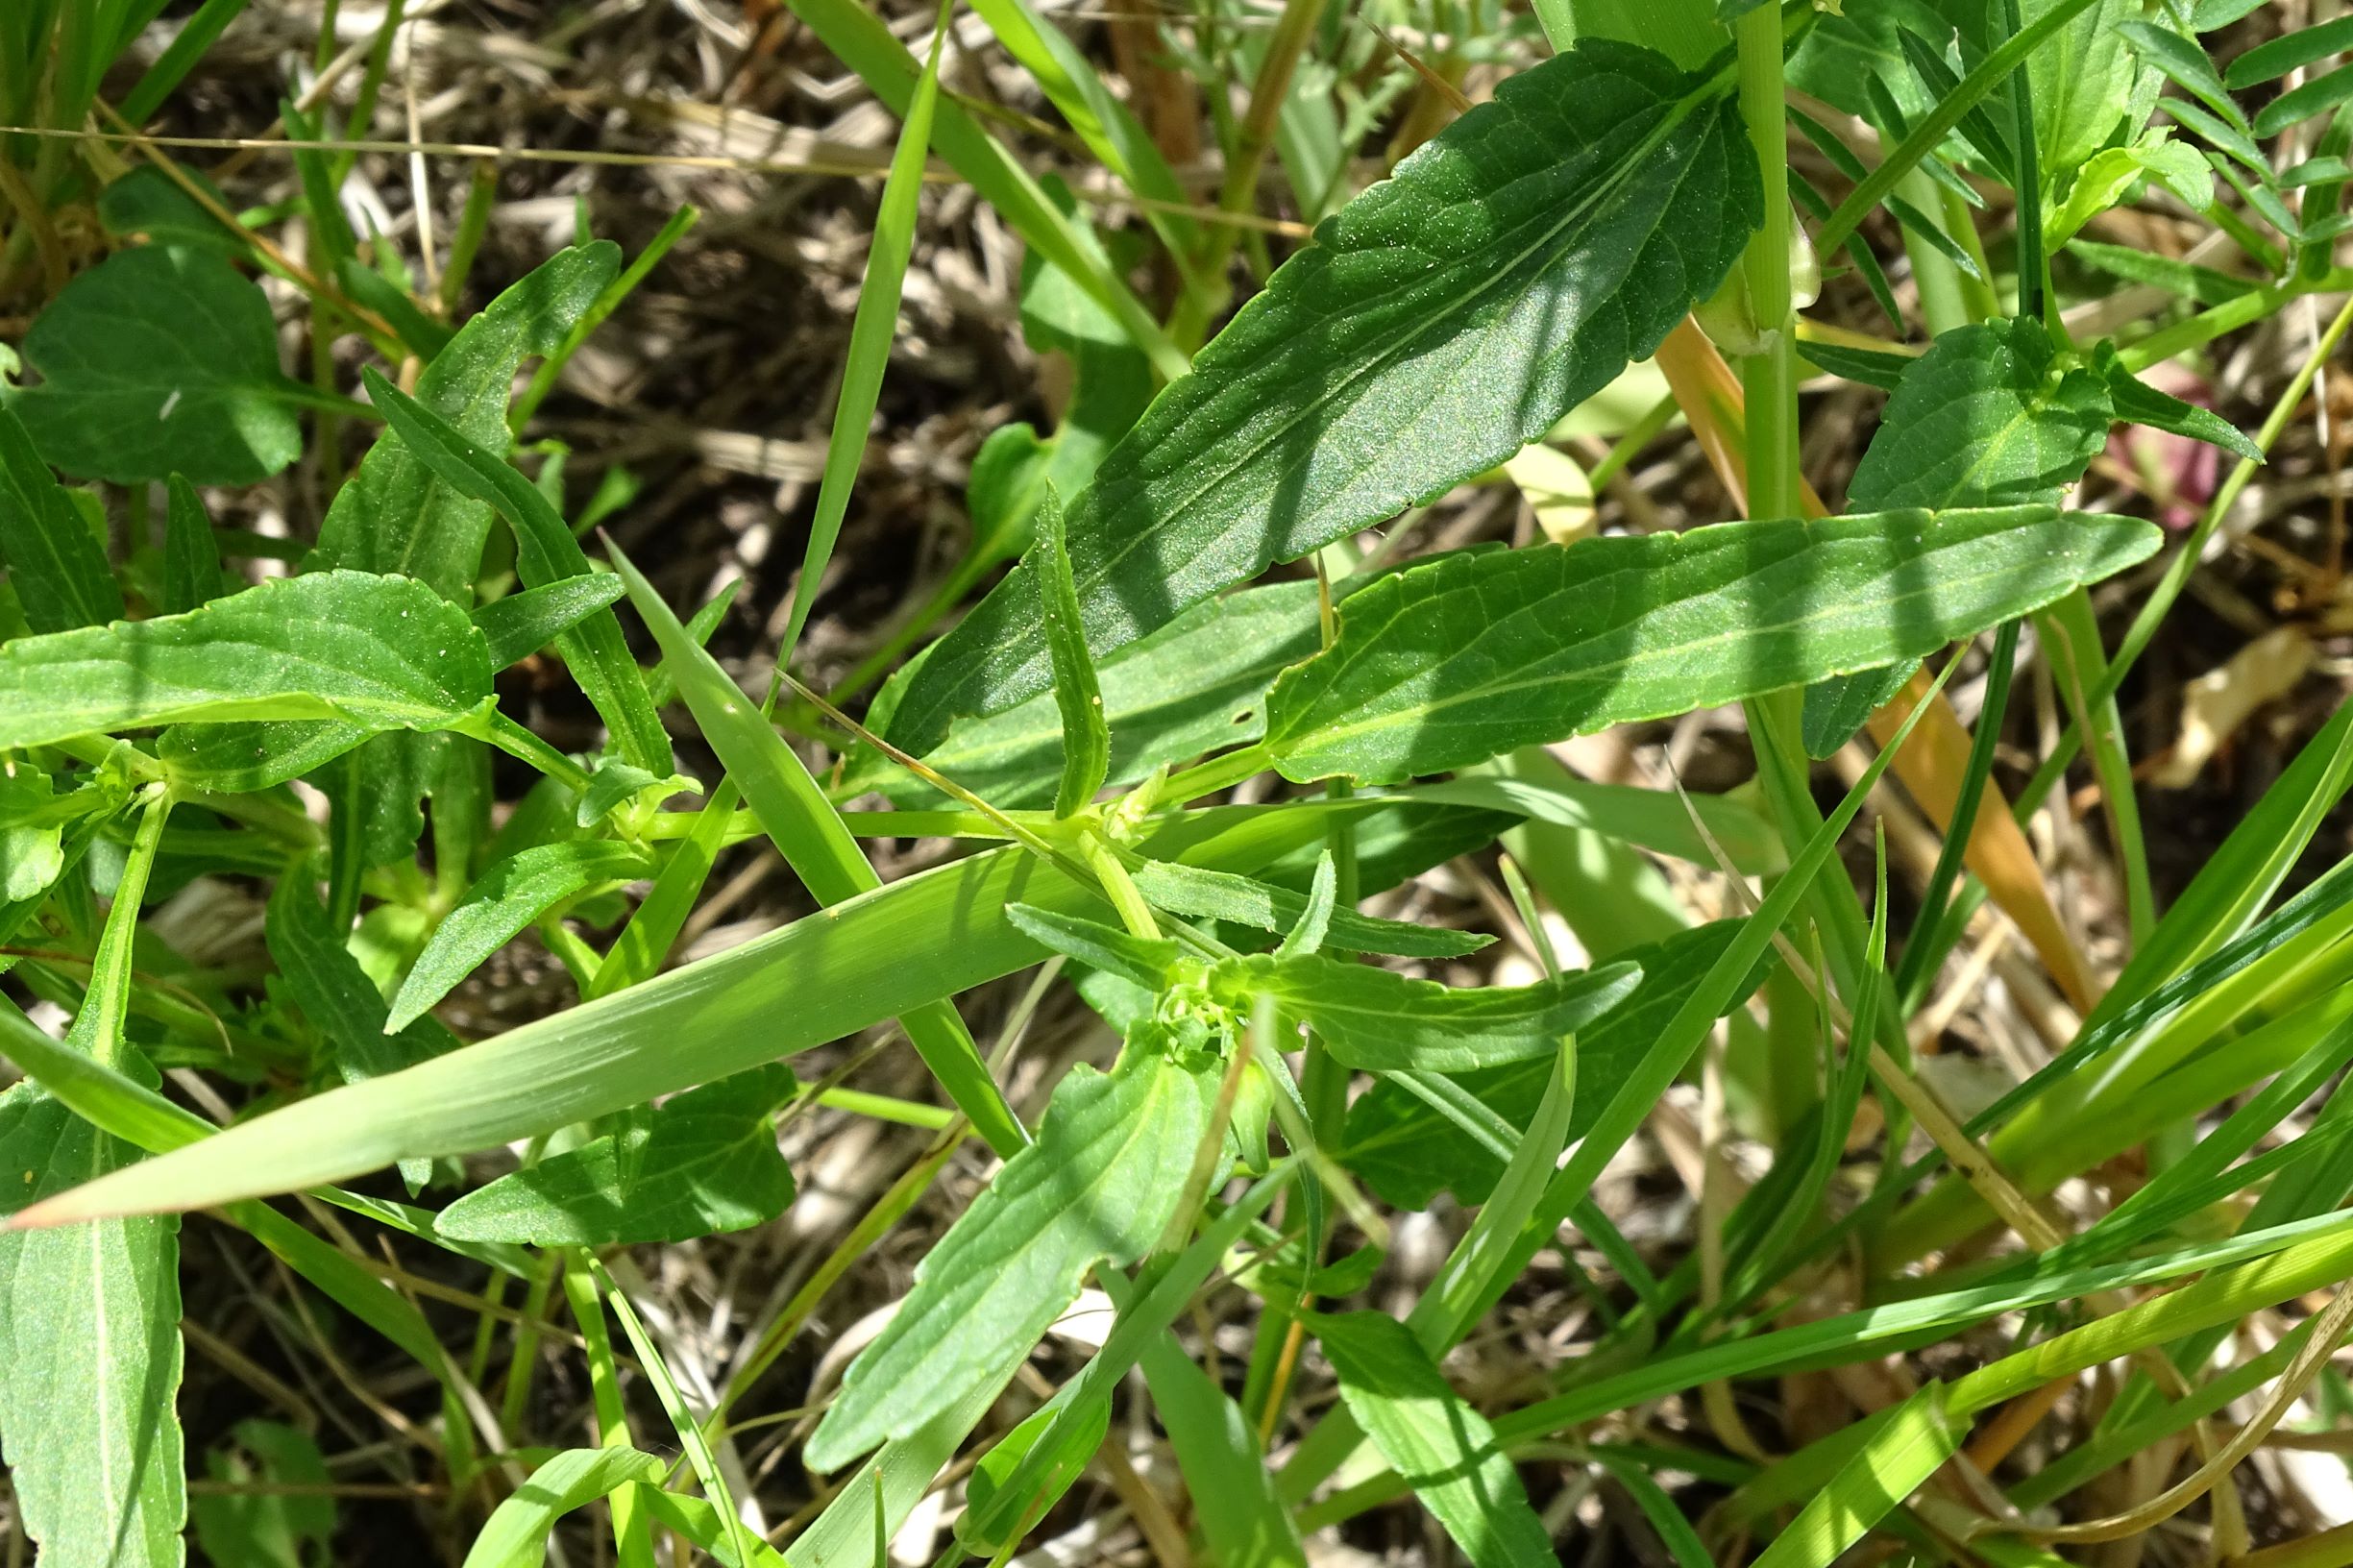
1202 599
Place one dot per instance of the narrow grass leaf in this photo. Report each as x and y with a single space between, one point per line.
1380 1021
544 552
1444 1449
1140 961
161 361
1442 320
516 1535
60 575
1449 663
704 1162
396 514
1900 1455
1100 1184
1078 697
502 901
871 331
378 652
823 977
1652 818
811 836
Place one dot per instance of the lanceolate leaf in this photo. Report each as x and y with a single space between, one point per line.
507 897
380 652
1445 1449
89 1354
1407 1151
517 1533
1385 1022
521 625
1222 896
191 555
59 574
825 976
1086 735
1197 685
161 361
1452 663
1442 320
1100 1183
1988 417
704 1162
545 553
394 514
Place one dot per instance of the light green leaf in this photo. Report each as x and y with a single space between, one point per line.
2275 59
1100 1183
706 1161
1222 896
32 851
1078 697
506 898
89 1354
1140 961
2088 86
378 652
994 1519
1891 1465
1989 416
517 1533
1382 1021
192 554
395 514
161 361
1654 818
60 575
544 552
1408 1152
520 624
1442 320
823 977
1451 663
1442 1448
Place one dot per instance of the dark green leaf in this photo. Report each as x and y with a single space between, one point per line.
1410 1152
506 898
1837 707
2268 62
2137 403
2299 103
703 1162
521 625
1988 417
1197 685
1449 663
1101 1183
1222 896
378 652
544 552
191 555
147 201
274 1505
1442 1448
2184 61
60 575
1443 320
1078 697
419 334
161 361
1868 366
2204 284
394 514
1382 1021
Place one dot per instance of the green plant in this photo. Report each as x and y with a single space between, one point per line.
1083 717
